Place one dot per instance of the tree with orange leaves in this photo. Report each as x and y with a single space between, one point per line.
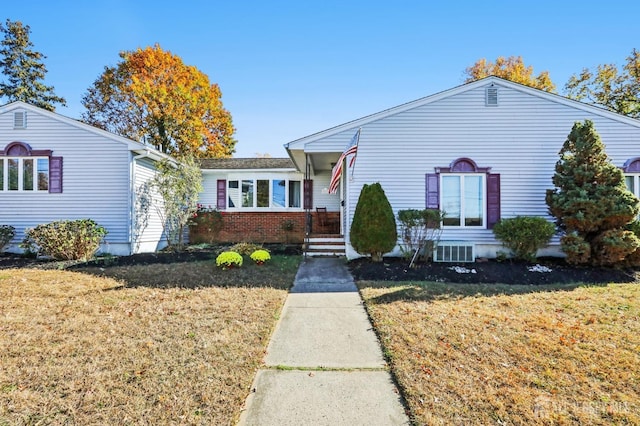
511 68
151 96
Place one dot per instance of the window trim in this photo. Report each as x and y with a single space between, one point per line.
21 151
491 190
254 205
483 209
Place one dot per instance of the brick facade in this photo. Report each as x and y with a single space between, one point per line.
257 227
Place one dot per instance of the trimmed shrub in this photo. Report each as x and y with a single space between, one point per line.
373 230
524 235
65 239
245 248
229 259
7 232
578 250
260 256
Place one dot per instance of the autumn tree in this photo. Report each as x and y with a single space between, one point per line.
617 89
151 96
591 203
511 68
23 69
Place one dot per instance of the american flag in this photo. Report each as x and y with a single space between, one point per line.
336 173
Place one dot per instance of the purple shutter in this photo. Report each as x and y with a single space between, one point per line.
308 194
493 199
222 194
55 175
433 191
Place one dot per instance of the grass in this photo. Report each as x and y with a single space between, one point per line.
77 348
491 354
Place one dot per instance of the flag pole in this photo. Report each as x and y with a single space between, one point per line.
352 163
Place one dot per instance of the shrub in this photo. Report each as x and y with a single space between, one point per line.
591 202
7 232
207 219
65 239
244 248
524 235
229 259
260 256
421 230
373 230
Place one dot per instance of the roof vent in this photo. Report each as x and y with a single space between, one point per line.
19 120
491 96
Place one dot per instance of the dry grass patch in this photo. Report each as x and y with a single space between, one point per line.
472 354
80 349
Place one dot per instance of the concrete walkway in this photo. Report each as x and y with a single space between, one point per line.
323 365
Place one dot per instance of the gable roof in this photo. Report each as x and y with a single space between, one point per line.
298 144
132 145
246 163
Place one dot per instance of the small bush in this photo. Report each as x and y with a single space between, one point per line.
229 259
65 239
524 235
260 256
244 248
207 219
7 232
578 250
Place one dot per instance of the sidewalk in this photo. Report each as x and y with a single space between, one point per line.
323 365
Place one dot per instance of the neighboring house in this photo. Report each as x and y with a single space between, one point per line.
481 151
56 168
262 199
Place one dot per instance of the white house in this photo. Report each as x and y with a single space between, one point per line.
56 168
481 151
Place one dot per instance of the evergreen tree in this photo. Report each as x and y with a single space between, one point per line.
373 230
23 69
591 203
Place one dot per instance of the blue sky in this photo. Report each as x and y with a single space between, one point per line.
288 69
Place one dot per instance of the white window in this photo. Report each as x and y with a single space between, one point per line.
462 198
632 181
24 174
264 194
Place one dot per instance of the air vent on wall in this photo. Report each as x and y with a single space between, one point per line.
454 251
19 120
492 96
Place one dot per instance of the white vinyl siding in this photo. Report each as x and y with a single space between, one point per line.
518 139
95 179
147 230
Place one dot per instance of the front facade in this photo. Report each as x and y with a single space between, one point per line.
480 152
56 168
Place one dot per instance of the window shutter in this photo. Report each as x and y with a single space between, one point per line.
433 191
308 194
222 194
55 175
493 200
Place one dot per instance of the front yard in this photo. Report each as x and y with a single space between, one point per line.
77 348
521 355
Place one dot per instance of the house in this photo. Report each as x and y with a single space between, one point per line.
481 151
56 168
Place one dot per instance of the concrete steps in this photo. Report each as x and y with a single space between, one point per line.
325 245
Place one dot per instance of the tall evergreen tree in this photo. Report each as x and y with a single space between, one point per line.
591 202
373 230
23 69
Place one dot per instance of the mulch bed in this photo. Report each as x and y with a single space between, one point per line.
391 269
488 272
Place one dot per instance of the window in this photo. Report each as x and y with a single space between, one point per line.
25 170
463 200
19 174
260 193
632 183
469 195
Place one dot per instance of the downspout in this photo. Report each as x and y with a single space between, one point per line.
135 158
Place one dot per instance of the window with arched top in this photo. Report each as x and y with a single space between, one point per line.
631 170
469 195
23 169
